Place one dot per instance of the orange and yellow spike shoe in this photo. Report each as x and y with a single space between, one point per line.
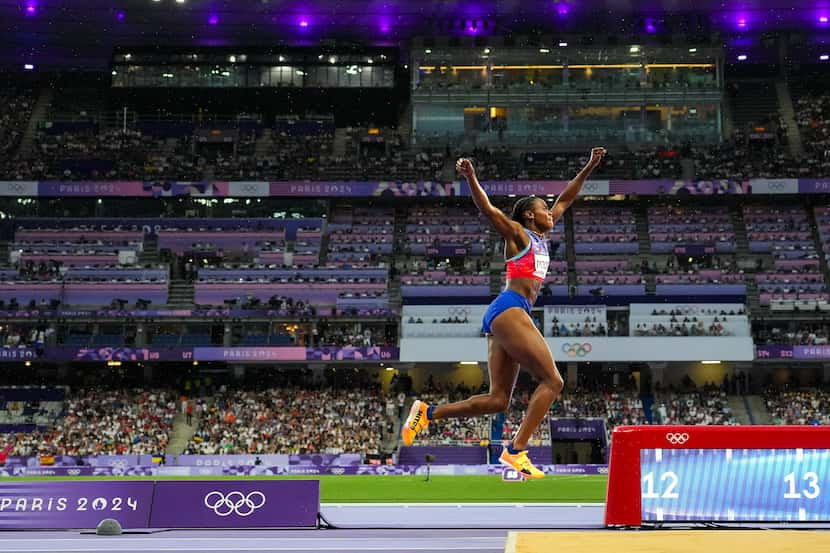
520 463
415 422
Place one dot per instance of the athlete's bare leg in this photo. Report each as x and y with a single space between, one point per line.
515 332
503 372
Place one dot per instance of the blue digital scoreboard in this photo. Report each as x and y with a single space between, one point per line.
741 485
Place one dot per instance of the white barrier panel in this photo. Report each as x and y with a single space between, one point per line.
430 312
774 186
18 188
684 309
589 349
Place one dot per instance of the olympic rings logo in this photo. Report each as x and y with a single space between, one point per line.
677 438
458 311
234 503
577 350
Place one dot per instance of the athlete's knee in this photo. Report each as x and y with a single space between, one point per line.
496 403
553 381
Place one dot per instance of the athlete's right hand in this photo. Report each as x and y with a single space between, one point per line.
465 167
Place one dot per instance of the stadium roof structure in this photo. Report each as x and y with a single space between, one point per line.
79 33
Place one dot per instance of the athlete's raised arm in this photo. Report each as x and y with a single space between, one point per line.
509 230
567 197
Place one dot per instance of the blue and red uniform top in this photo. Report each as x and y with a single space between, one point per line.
531 262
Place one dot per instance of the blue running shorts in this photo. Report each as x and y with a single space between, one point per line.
502 303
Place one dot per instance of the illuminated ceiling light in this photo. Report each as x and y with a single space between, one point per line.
427 51
544 51
232 59
332 59
710 362
303 23
114 72
822 19
824 57
180 1
29 67
742 57
692 50
563 44
127 56
370 60
282 58
634 49
486 50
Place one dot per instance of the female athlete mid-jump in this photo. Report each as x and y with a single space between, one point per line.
513 339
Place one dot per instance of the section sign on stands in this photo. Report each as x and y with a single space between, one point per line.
236 504
64 505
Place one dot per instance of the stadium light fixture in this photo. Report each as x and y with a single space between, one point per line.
710 362
468 363
824 57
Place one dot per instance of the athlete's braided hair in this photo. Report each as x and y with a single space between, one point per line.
522 205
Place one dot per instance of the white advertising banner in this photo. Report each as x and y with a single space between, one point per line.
774 186
452 350
20 188
249 189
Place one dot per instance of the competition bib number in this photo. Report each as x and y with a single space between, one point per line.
542 263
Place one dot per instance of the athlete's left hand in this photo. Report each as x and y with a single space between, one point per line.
596 156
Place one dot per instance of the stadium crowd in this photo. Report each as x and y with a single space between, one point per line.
290 420
99 421
809 406
708 405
